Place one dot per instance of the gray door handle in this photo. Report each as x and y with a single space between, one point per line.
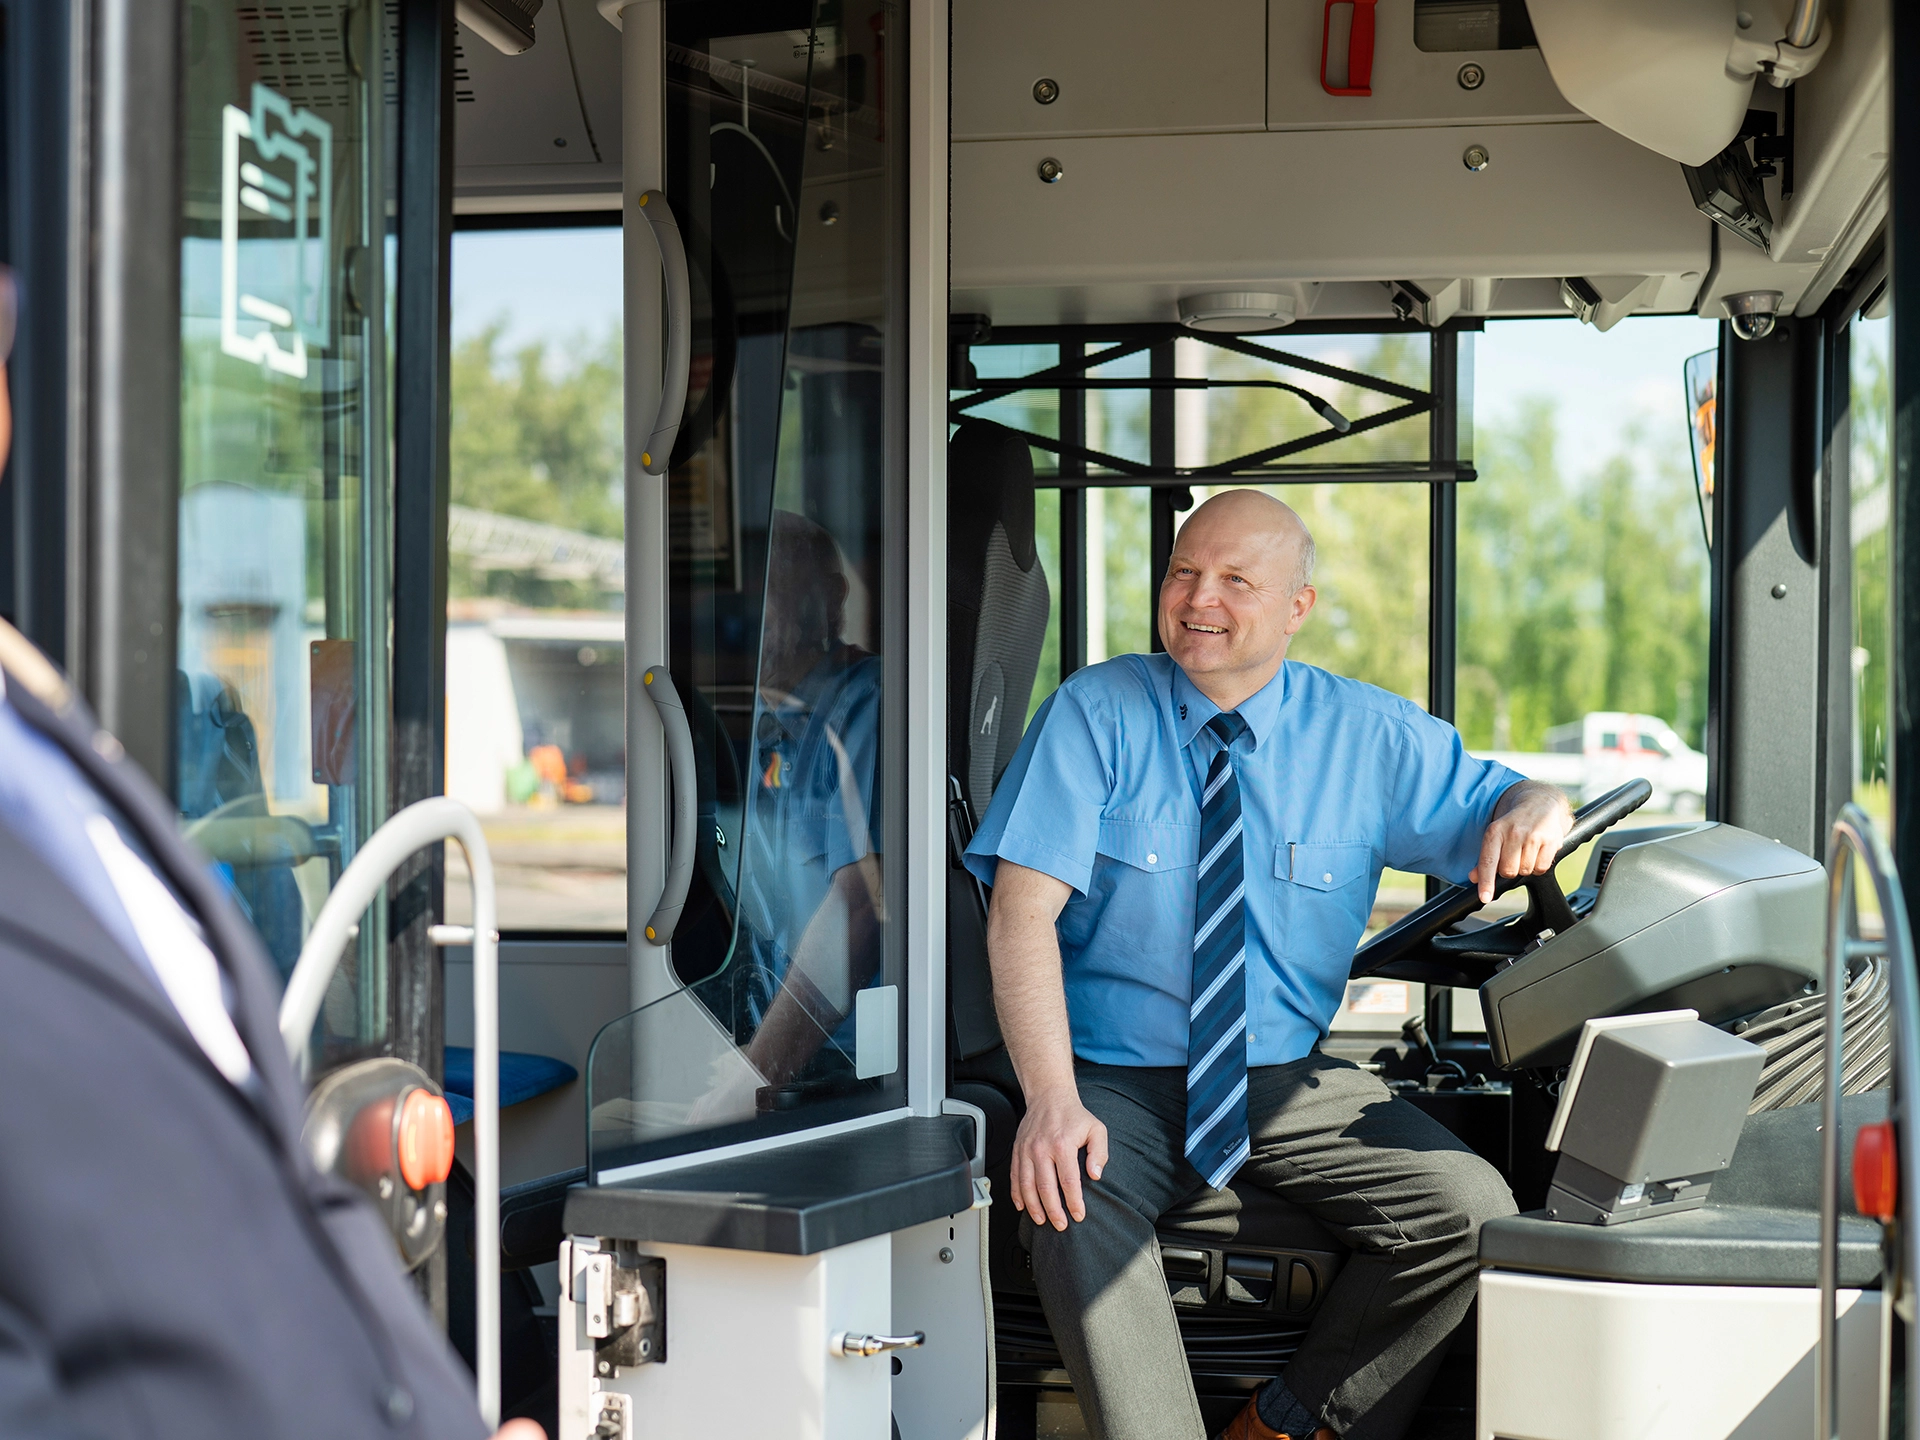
658 448
658 685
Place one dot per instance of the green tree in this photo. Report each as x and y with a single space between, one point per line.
540 437
1872 559
1577 596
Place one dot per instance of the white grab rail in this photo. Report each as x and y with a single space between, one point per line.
418 825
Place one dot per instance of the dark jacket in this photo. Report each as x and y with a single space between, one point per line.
170 1263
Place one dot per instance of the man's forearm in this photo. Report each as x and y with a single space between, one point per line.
1027 989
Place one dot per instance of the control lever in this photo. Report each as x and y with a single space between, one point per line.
1414 1032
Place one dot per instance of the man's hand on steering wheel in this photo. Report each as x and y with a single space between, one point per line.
1524 836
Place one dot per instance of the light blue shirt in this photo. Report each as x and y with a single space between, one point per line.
1338 780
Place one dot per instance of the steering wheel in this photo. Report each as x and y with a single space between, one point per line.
1415 946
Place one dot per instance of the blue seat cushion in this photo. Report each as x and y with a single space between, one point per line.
522 1076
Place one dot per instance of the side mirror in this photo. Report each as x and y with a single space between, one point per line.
1701 381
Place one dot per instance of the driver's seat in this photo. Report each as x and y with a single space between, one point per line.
1246 1270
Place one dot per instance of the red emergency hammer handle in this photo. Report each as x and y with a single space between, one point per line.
1359 48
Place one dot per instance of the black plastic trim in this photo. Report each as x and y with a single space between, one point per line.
796 1199
1714 1245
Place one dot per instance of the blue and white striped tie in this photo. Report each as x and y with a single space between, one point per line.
1217 1024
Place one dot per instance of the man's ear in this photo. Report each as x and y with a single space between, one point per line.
1303 599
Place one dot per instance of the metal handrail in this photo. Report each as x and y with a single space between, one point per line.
665 430
422 824
1854 834
656 683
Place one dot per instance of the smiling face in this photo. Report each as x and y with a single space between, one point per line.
1234 593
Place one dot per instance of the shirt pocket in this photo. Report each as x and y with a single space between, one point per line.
1155 846
1326 865
1322 895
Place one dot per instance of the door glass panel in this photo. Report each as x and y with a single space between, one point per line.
785 585
285 506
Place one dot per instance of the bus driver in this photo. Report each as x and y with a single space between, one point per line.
1183 856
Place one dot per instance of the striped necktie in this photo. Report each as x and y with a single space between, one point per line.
1217 1023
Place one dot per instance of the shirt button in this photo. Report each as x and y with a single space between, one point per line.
1327 879
396 1404
1153 859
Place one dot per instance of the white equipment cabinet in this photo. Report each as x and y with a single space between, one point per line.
1575 1359
828 1288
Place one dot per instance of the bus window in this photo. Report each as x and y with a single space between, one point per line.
536 637
1582 560
1868 372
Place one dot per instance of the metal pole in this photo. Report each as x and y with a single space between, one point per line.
643 108
1854 835
421 485
1826 1380
130 508
386 849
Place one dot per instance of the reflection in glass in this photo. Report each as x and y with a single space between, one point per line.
1701 377
782 504
285 503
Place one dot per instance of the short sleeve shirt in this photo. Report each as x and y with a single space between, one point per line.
1338 780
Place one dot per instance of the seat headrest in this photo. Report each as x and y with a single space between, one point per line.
989 481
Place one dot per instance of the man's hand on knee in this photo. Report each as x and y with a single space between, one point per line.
1046 1157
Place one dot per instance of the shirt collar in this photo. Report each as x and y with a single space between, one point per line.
1261 710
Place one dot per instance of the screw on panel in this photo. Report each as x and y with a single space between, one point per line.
1476 158
946 1255
1046 91
1051 170
1471 76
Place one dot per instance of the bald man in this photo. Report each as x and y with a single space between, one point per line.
1183 856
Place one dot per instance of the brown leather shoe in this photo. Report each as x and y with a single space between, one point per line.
1248 1425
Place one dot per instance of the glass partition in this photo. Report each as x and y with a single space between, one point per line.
786 586
285 506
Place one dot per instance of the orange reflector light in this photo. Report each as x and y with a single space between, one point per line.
1876 1171
426 1140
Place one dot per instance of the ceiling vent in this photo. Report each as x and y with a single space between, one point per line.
1237 311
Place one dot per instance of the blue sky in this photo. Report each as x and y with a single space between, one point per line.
1600 384
551 285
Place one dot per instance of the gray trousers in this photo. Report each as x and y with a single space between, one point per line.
1386 1178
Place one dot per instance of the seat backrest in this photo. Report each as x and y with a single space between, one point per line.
997 603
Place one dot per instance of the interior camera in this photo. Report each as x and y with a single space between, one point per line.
1752 314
